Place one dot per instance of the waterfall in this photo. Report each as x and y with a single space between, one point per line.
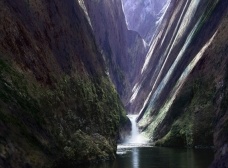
136 139
134 129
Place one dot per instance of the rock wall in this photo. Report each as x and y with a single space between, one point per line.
57 104
198 116
124 50
182 92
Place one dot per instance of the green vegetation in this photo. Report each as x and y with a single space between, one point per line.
76 120
180 133
192 117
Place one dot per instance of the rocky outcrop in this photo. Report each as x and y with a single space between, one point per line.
123 50
57 104
182 92
144 16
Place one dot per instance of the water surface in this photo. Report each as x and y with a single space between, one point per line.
158 157
136 152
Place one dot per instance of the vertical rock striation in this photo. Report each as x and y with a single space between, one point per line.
182 91
123 50
181 94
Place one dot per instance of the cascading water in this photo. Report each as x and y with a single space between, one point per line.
134 130
180 43
135 139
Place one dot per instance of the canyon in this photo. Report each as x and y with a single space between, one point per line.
71 71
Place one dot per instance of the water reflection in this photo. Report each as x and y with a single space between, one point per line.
156 157
135 158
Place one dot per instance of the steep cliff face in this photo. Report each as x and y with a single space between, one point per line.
144 16
182 92
123 50
195 110
57 104
198 116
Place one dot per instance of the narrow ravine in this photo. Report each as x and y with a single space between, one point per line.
119 83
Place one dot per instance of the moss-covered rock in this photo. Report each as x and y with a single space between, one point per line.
79 117
57 102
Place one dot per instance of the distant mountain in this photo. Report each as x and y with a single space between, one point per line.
124 50
142 16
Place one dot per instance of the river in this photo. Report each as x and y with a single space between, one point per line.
159 157
137 153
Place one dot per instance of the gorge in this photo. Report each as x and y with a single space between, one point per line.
70 72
